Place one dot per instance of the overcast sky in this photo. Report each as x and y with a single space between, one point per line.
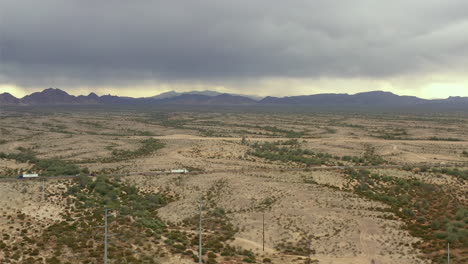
144 47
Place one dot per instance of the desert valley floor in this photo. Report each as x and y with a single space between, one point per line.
332 187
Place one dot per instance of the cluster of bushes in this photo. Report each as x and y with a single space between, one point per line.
301 247
429 211
134 132
274 151
285 132
24 155
455 231
56 167
174 123
221 231
402 134
371 158
57 128
164 120
460 174
92 124
136 220
137 223
275 130
396 134
365 160
147 147
290 151
444 139
209 133
368 158
48 167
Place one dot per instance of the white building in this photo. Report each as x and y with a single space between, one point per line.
28 175
180 171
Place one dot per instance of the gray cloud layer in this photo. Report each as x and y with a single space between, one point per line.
112 41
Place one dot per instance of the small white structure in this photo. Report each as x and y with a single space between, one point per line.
28 175
179 171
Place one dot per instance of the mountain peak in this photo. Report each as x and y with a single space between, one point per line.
93 95
50 96
166 95
7 94
8 99
376 93
53 90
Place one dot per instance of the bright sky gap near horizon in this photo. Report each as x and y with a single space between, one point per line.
279 48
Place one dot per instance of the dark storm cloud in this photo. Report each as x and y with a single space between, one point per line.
111 41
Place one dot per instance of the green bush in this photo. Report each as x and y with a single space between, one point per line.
50 167
148 146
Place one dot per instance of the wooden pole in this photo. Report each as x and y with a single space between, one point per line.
263 231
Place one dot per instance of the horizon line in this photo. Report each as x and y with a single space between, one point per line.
234 93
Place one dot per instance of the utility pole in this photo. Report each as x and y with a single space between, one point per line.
200 257
263 231
105 235
43 190
448 253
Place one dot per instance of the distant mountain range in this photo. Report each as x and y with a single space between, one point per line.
171 94
54 96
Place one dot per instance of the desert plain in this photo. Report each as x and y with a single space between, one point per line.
274 185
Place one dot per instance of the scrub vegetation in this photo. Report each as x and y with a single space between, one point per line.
138 234
431 212
290 151
46 167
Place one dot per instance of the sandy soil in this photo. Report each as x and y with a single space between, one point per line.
312 206
343 228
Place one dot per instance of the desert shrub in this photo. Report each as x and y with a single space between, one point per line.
90 197
24 155
53 260
420 205
444 139
461 174
275 152
249 259
51 167
289 150
211 261
211 255
147 147
462 215
228 251
57 167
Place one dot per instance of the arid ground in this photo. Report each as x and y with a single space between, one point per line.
316 186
